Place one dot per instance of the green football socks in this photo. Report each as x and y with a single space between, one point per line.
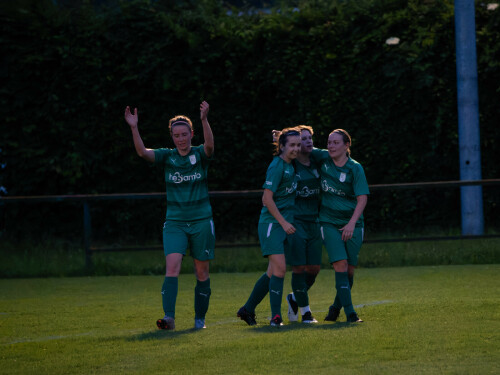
299 288
337 304
169 295
202 293
276 294
310 279
344 291
259 291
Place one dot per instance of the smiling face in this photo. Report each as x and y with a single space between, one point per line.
291 148
182 135
306 142
336 146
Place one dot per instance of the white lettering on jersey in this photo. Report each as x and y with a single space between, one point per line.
327 188
306 192
291 189
178 178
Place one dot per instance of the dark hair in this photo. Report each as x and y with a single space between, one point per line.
345 137
283 138
179 120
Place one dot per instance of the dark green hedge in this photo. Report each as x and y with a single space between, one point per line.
68 71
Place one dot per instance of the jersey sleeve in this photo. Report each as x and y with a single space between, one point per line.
360 184
319 155
205 160
273 176
161 154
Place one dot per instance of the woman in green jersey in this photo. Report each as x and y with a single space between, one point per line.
344 197
189 220
275 227
306 246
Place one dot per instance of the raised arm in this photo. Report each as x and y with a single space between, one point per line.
132 119
207 131
268 201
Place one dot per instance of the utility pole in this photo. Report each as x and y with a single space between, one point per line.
471 197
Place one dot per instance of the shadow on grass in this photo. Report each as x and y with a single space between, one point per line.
302 326
162 334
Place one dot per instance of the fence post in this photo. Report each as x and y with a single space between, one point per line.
87 234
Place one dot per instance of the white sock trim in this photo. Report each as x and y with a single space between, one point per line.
304 309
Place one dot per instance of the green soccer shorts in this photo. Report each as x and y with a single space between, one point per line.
273 239
306 244
199 236
338 249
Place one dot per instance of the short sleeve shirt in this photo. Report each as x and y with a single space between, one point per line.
186 183
340 187
308 191
281 180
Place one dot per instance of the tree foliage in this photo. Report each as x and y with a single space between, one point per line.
69 69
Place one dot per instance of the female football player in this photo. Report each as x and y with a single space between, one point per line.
344 197
189 220
306 246
275 226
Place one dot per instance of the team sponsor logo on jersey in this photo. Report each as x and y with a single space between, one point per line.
330 189
179 178
291 189
306 192
269 183
342 177
174 162
192 159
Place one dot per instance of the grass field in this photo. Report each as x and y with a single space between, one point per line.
27 258
429 319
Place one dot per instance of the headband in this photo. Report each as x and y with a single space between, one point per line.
180 122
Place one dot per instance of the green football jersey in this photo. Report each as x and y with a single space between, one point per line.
340 186
281 180
308 192
186 178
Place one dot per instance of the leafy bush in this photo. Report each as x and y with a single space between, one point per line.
70 68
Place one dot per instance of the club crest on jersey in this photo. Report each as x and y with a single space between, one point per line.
342 177
192 159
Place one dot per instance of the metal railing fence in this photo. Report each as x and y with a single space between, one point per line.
86 199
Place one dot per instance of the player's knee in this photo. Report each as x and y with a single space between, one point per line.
313 270
202 271
340 266
298 269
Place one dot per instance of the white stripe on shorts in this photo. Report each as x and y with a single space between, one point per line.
212 226
269 229
322 233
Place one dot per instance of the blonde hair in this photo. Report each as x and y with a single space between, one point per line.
306 127
180 120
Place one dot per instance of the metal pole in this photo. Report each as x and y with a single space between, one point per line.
87 234
468 118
